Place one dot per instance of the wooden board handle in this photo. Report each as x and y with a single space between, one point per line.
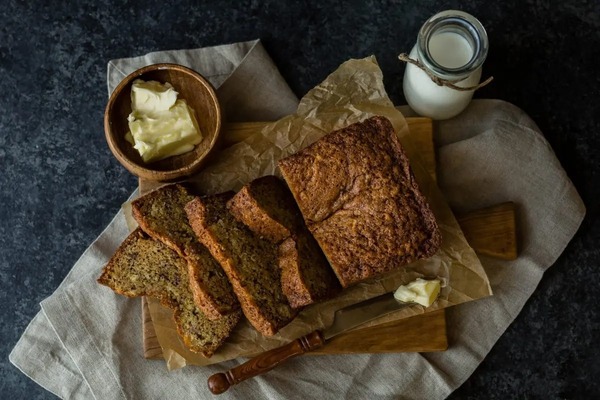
219 383
492 231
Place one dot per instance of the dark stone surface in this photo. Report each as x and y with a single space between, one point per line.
60 186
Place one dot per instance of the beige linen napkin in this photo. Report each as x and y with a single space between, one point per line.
86 341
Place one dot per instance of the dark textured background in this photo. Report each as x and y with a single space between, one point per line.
60 186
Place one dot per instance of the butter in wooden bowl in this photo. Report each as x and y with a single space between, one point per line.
162 122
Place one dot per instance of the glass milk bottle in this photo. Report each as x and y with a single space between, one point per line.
451 47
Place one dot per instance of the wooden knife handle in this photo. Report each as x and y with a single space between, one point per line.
219 383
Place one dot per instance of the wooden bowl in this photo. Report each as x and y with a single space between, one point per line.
200 96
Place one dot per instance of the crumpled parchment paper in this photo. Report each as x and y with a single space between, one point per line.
352 93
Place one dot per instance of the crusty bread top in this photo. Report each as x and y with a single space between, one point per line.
142 266
360 200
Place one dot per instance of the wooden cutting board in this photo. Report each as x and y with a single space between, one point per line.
490 231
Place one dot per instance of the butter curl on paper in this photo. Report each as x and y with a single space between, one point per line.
352 93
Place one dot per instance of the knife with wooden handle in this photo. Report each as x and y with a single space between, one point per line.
344 319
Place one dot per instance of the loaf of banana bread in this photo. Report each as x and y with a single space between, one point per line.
249 261
361 202
267 207
143 266
161 215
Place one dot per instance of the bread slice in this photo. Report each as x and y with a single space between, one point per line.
161 215
249 261
306 276
361 202
209 284
142 266
267 207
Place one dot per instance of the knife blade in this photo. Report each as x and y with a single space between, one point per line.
344 319
360 313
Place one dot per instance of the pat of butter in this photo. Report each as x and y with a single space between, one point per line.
420 291
160 125
152 97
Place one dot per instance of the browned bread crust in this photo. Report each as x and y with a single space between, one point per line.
249 262
360 200
142 266
161 215
267 207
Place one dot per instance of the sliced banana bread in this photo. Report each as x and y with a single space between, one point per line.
143 266
161 215
209 284
249 261
306 276
268 208
361 202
